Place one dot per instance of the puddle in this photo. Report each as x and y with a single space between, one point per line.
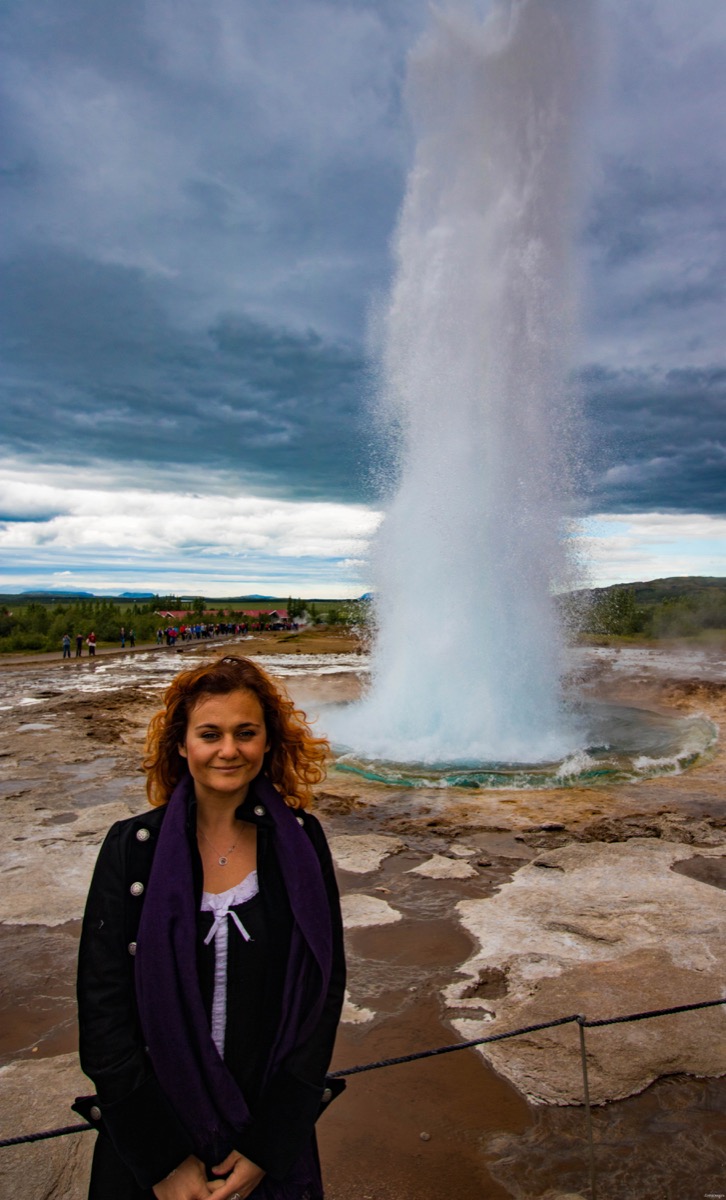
10 788
127 788
705 870
87 770
667 1143
37 992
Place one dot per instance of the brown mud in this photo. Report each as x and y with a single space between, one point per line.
69 765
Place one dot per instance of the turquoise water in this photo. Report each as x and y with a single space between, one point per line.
619 745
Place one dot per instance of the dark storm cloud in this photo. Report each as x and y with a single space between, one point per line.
658 241
635 203
161 164
255 154
197 204
658 440
655 241
97 372
197 207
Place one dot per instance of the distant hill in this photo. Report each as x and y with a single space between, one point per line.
52 594
654 591
175 601
678 606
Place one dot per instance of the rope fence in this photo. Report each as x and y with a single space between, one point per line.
582 1022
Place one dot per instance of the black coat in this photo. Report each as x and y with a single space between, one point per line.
145 1139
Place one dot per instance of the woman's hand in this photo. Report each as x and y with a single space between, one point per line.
187 1182
243 1179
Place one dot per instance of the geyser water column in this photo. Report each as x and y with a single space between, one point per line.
467 659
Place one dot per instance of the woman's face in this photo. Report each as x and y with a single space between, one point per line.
225 745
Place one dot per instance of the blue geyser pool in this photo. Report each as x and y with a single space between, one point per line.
620 744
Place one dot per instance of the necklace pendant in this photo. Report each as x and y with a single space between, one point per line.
223 861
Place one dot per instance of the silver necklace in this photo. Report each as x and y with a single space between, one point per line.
222 859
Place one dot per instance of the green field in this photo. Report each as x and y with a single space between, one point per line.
692 607
35 622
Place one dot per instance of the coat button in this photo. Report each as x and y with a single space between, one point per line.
136 889
142 835
327 1096
95 1113
131 948
259 810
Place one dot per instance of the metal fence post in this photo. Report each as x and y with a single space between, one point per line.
588 1110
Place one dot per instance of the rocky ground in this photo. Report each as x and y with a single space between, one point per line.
467 914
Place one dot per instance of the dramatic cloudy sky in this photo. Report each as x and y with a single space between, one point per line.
198 202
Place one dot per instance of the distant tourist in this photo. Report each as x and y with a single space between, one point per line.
79 645
123 638
132 638
66 645
91 642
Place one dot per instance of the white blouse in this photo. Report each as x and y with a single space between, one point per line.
221 904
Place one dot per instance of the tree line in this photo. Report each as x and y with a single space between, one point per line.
622 612
37 625
647 611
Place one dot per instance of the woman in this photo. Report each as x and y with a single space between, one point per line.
211 970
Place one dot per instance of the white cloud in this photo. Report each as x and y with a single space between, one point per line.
623 548
221 545
180 541
138 520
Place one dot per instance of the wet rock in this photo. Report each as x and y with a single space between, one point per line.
562 1196
360 911
607 932
354 1014
45 881
440 867
490 985
543 840
462 851
335 802
363 852
674 827
37 1096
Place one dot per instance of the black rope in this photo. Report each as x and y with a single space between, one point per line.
658 1012
495 1037
500 1037
405 1058
43 1137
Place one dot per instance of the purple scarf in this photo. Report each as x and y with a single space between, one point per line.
173 1019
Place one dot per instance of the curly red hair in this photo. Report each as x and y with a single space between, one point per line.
295 761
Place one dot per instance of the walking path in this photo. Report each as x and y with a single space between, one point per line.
105 649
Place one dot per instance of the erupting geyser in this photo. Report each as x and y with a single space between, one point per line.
467 661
